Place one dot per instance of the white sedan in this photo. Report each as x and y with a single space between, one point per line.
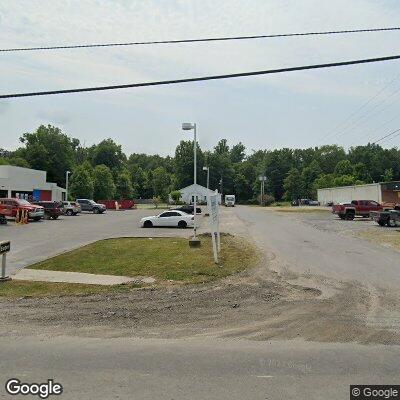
172 218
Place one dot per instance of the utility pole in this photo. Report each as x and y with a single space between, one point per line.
262 179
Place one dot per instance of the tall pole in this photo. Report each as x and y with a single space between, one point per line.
208 177
195 180
66 185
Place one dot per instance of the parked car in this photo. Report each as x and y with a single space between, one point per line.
313 203
389 218
10 206
172 218
188 209
52 209
91 205
361 208
71 207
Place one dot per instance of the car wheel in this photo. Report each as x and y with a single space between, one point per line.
95 210
148 224
55 217
69 212
391 223
37 219
343 217
382 223
350 216
182 224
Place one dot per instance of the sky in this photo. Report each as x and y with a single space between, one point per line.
298 109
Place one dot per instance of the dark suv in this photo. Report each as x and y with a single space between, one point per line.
91 205
52 209
188 209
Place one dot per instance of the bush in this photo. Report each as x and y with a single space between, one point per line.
176 196
266 200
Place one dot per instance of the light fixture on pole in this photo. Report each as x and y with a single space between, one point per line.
262 179
187 126
66 185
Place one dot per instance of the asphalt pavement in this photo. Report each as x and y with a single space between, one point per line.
196 369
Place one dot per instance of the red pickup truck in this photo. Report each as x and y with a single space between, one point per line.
356 207
9 208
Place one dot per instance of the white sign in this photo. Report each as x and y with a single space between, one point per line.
214 224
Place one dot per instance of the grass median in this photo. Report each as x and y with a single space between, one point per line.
165 259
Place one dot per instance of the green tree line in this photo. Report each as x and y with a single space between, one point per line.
103 171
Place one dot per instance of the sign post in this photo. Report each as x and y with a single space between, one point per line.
262 179
4 249
214 224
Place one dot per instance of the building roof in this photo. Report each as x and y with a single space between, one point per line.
196 187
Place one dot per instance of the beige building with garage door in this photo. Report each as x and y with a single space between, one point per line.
386 192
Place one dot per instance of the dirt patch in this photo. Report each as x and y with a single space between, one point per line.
258 304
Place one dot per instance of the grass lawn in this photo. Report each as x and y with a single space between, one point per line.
388 237
12 289
161 258
303 210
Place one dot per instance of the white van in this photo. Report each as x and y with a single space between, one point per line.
230 200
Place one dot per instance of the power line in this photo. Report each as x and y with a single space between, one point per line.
361 119
387 136
203 78
217 39
344 122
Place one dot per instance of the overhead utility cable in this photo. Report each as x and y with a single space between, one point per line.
202 78
216 39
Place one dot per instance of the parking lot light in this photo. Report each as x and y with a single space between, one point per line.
66 184
187 126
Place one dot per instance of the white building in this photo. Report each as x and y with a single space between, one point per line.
189 192
388 192
30 184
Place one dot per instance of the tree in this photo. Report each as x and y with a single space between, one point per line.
346 180
161 183
237 153
184 161
176 196
103 183
108 153
309 175
293 185
387 176
325 181
344 167
124 187
49 149
82 182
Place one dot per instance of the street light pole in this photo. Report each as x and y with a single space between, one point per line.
187 126
208 176
195 179
66 185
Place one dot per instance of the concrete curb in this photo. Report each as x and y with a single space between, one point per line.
38 275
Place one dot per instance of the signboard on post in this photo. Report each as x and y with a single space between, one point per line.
214 224
5 247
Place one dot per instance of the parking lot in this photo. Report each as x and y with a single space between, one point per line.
40 240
